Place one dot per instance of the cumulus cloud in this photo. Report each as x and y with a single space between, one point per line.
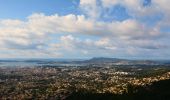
49 35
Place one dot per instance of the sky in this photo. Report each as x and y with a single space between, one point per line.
135 29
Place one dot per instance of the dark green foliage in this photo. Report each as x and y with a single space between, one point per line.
157 91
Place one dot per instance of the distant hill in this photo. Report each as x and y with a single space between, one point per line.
95 60
116 61
104 60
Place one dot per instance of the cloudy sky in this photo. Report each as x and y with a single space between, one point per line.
85 28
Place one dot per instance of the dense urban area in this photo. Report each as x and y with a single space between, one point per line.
48 82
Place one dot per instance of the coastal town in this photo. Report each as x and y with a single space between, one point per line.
59 82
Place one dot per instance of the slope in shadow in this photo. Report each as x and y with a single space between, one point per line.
157 91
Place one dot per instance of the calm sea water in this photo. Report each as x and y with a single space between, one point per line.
19 64
34 63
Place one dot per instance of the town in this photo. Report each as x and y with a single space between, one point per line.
49 82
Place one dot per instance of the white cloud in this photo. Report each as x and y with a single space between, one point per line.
34 34
135 8
163 5
90 8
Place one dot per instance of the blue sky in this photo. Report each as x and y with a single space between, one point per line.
137 29
23 8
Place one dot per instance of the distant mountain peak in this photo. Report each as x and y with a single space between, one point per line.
103 58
